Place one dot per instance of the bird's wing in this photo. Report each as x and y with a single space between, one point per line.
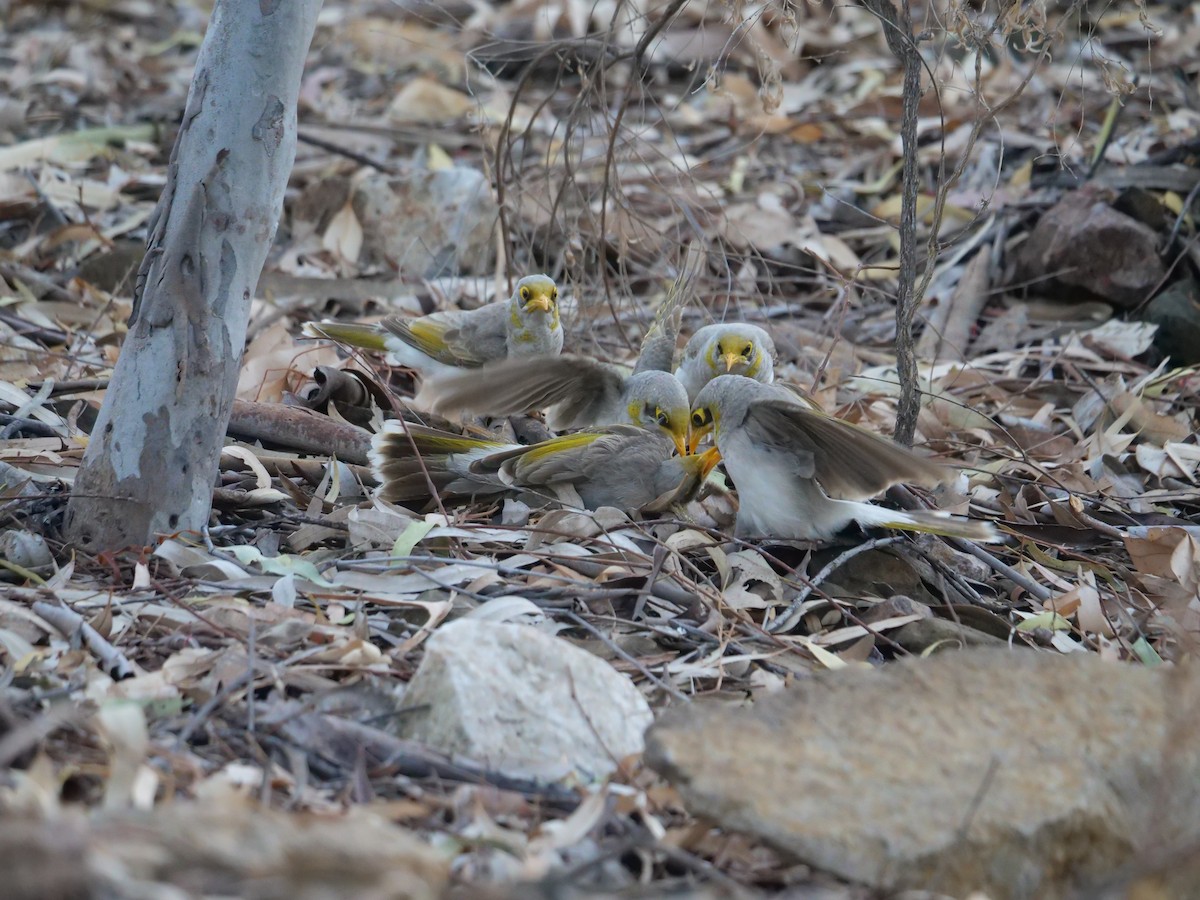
481 334
658 344
600 455
466 339
615 466
583 390
850 463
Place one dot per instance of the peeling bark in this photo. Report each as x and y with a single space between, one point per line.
152 460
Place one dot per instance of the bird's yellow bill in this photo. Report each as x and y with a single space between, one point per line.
541 302
708 461
680 437
695 436
731 360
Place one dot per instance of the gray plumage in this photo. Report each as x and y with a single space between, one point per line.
526 324
575 391
802 474
621 466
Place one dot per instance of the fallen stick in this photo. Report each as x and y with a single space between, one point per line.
298 429
72 625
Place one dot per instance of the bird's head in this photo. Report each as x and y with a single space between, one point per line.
736 350
536 294
715 398
657 400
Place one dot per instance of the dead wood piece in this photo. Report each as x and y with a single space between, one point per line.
311 470
298 429
1017 578
72 625
41 286
917 637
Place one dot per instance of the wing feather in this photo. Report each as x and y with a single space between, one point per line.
658 344
850 463
454 337
583 391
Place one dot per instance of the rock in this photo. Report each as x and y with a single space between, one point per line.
230 848
521 702
1176 312
1084 246
428 223
27 550
1019 774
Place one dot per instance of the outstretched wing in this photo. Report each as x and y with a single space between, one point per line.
583 391
658 344
850 463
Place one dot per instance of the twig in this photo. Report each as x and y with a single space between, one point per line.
385 754
330 147
897 31
201 715
73 626
612 645
1003 568
789 616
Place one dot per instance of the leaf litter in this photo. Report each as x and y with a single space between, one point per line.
265 658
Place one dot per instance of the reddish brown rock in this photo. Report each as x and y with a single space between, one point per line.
1083 248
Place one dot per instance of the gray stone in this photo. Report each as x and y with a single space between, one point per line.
429 223
522 702
1084 245
1019 774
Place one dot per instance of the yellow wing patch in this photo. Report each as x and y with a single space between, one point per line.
561 444
428 336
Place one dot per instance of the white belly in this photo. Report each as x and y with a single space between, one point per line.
775 502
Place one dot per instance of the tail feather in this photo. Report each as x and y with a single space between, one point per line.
928 521
410 460
366 336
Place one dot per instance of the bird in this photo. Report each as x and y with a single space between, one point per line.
577 391
730 348
624 466
526 324
801 474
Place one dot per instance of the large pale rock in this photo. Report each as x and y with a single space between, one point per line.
1019 773
522 702
429 223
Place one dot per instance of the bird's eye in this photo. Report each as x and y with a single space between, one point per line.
554 295
526 293
661 417
700 418
748 351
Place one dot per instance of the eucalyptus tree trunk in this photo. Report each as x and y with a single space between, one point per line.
152 459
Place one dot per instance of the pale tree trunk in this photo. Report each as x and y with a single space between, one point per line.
152 460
